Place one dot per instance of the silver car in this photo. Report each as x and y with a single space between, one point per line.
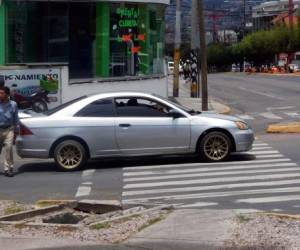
129 124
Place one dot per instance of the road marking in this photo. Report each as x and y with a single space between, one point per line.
198 204
269 199
87 173
254 152
86 189
135 168
293 114
246 117
260 144
261 93
269 156
270 115
280 108
212 169
83 191
221 194
210 180
260 148
212 187
169 177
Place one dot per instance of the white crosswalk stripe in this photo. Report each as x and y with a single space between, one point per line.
246 117
271 115
268 174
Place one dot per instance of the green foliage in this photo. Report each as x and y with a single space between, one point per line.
258 47
220 56
100 226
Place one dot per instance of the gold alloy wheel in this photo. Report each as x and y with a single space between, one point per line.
69 156
216 147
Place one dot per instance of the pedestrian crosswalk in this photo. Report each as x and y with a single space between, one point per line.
260 176
271 115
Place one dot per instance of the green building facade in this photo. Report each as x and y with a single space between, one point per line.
95 39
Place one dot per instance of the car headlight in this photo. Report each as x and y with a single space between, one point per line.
242 125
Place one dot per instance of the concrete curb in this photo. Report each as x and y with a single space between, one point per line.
30 213
264 74
292 127
227 110
133 214
280 74
195 103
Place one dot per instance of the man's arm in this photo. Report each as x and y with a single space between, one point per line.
16 120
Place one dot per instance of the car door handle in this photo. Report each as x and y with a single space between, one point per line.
124 125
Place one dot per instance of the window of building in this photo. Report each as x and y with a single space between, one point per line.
139 107
96 39
99 108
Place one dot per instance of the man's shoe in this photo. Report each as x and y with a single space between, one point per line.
9 173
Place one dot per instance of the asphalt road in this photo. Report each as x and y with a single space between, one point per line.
261 99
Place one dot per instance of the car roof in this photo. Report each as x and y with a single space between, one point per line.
88 99
120 94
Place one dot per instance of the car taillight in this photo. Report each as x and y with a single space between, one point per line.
24 130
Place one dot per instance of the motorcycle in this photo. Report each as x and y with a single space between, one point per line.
37 100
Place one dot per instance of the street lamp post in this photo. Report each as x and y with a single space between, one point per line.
177 50
203 57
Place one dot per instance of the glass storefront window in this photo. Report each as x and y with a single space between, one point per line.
96 39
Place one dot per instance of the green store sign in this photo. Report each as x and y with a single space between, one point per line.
128 17
128 23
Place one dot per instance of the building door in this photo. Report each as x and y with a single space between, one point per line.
82 36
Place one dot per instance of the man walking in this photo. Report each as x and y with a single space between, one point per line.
9 128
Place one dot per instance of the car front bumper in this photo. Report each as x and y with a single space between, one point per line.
243 140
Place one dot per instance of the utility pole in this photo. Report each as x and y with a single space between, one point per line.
244 23
177 49
203 57
193 54
291 13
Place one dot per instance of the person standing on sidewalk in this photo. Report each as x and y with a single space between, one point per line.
9 128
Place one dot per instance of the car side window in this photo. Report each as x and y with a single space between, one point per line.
99 108
140 107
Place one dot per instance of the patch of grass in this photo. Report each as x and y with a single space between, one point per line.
243 218
13 210
100 226
66 228
20 225
47 203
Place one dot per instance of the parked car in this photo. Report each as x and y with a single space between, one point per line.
170 67
235 68
293 68
128 124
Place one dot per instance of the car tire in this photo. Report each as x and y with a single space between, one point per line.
215 146
39 106
70 155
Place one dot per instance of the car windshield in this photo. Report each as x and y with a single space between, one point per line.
62 106
186 109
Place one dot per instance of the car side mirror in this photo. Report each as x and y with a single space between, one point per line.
174 113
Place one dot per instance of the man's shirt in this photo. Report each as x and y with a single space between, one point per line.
9 114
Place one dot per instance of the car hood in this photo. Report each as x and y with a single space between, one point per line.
219 116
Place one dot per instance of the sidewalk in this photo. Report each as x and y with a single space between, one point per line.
188 229
194 103
184 229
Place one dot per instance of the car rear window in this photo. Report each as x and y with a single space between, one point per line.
62 106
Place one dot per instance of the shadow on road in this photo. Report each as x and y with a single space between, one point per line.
49 166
